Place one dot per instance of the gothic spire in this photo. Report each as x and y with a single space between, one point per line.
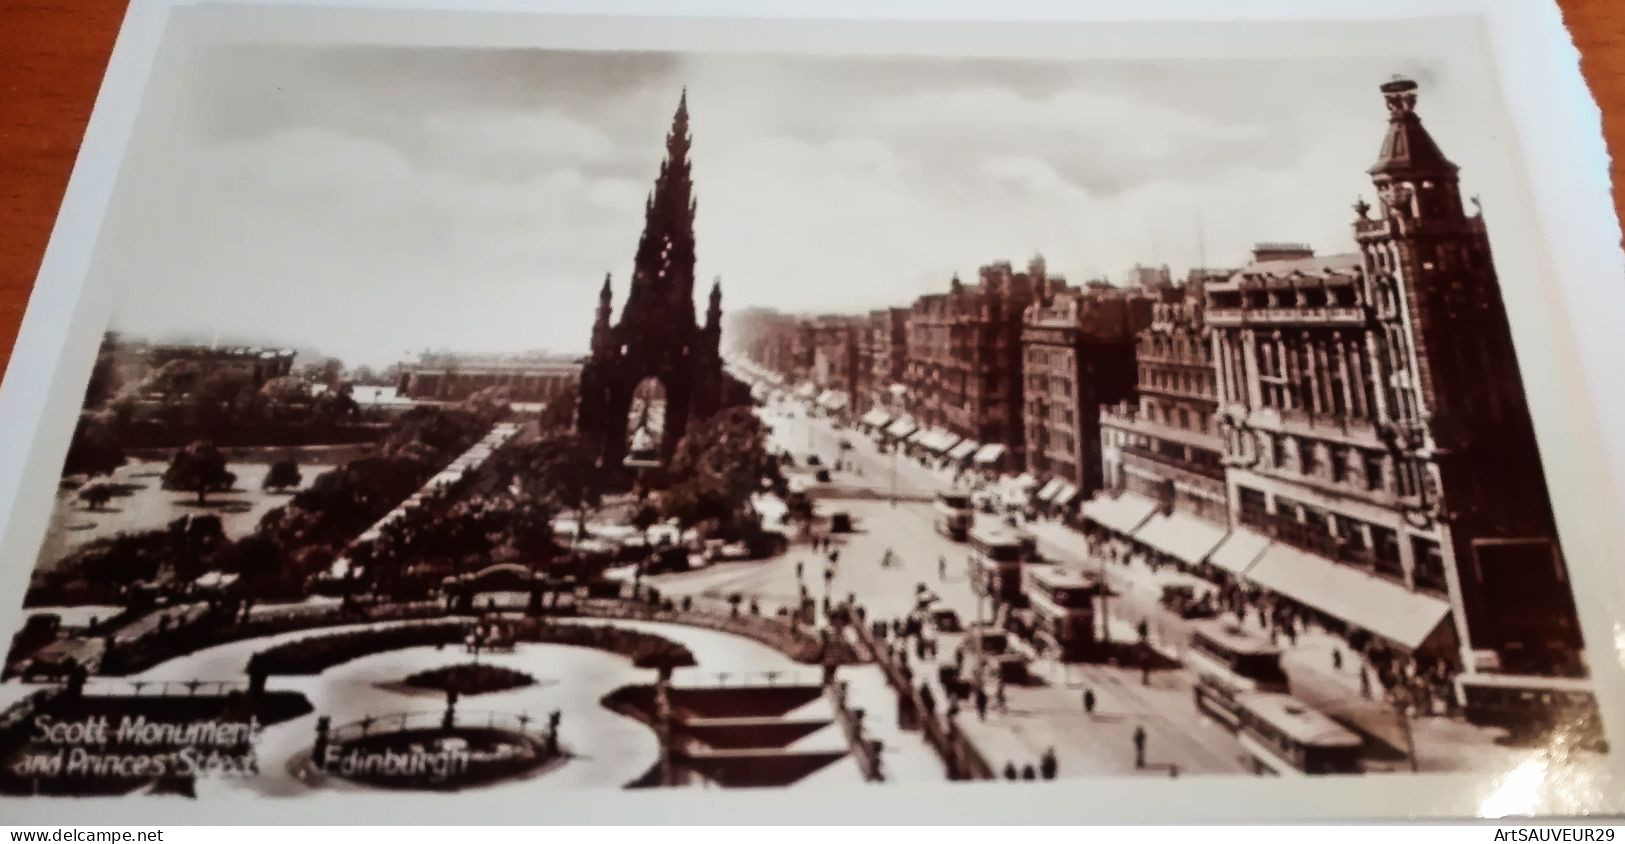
663 278
1407 148
713 313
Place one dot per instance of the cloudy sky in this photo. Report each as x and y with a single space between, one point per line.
376 202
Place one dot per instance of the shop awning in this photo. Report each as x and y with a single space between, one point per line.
1181 535
965 449
990 453
1049 489
949 438
875 418
900 428
832 400
1237 553
1376 604
919 435
1123 514
938 440
1066 494
806 391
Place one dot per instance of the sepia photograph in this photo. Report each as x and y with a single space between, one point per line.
508 420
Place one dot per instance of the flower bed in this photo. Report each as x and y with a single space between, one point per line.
131 656
470 679
318 653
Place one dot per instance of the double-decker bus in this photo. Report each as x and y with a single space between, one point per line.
1063 606
1532 706
998 555
954 514
1286 737
1229 662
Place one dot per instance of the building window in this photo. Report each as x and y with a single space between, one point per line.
1373 469
1429 565
1352 547
1385 552
1308 460
1254 510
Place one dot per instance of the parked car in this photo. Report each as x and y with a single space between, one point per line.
840 522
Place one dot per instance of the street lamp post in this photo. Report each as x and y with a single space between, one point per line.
1402 699
1105 611
977 589
894 476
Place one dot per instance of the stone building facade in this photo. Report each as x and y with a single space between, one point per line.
887 339
1375 430
1077 356
1164 446
964 356
446 377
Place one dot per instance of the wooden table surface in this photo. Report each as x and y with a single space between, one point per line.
55 51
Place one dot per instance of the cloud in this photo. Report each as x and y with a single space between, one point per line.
370 203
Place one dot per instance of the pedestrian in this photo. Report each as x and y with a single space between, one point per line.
1089 701
1139 746
998 696
981 702
942 568
1337 659
1365 683
1046 764
1028 773
799 566
1009 770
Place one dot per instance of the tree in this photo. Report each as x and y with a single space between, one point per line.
560 412
719 465
96 496
563 467
491 403
104 382
254 558
199 468
283 475
645 517
94 449
529 527
286 391
336 403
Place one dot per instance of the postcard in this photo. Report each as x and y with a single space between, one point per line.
538 416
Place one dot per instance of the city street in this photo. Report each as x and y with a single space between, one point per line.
1038 717
1050 714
